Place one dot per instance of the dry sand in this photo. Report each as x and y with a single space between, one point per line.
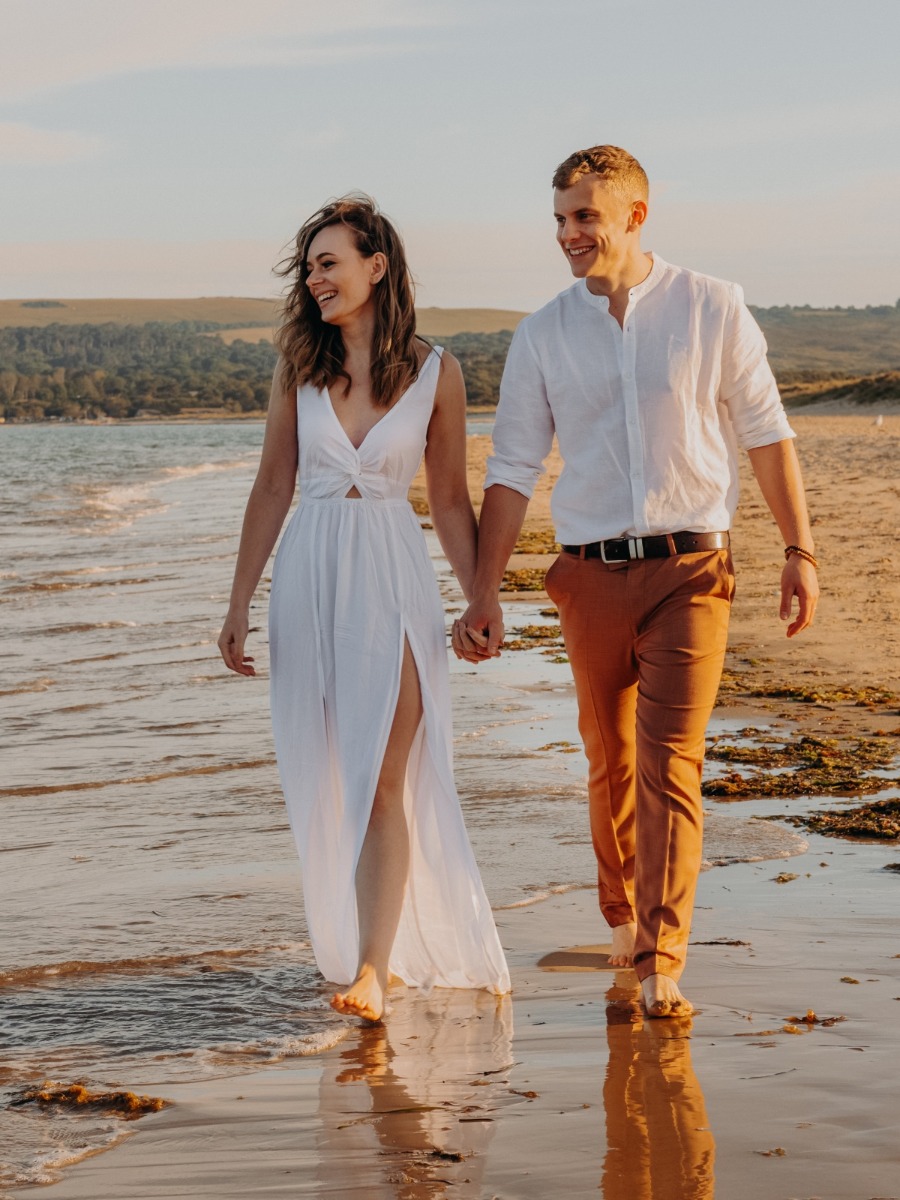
851 471
563 1090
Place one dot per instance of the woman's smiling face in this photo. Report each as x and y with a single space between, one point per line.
339 278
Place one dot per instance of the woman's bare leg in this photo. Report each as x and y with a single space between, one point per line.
383 866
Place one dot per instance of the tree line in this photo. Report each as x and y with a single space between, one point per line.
75 372
88 371
78 372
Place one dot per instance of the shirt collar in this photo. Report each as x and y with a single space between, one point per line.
637 293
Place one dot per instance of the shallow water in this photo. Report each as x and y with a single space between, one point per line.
151 920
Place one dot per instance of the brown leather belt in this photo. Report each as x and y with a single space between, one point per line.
661 545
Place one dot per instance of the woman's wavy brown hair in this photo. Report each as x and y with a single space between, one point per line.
312 350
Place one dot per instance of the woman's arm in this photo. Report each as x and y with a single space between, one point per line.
267 507
445 475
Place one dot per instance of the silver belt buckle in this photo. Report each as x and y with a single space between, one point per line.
635 549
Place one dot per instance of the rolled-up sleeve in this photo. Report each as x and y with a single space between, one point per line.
523 429
748 388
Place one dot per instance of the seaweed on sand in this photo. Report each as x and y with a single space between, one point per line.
879 819
736 683
547 638
524 579
809 766
76 1096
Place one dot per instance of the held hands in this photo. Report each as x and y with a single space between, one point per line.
798 579
231 644
478 634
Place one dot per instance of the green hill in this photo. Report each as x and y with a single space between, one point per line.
881 389
71 359
831 341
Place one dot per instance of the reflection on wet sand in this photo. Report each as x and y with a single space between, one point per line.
407 1108
659 1144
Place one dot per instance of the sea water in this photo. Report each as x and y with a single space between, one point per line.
151 915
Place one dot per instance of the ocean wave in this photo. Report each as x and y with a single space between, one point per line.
277 1049
545 894
112 497
116 506
75 1140
151 964
85 627
29 685
233 464
65 585
91 785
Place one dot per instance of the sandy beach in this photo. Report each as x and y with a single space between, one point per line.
853 488
563 1090
783 1085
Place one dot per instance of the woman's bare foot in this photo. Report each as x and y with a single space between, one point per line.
662 998
363 998
622 944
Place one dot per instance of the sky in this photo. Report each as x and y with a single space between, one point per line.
174 147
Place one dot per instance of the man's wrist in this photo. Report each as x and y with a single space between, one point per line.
484 596
805 552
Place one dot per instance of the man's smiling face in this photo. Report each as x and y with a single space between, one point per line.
594 226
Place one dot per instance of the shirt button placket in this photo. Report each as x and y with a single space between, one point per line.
632 420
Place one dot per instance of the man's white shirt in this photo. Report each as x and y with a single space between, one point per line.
648 415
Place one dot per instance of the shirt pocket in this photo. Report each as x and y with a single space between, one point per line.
679 365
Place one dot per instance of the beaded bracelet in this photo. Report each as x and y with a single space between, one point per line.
801 553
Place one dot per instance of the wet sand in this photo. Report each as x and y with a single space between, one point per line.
563 1089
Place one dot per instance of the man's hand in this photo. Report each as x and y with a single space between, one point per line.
478 634
798 579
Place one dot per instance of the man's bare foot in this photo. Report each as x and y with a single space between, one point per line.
363 998
662 998
622 944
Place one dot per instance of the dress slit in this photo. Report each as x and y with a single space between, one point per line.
381 750
414 795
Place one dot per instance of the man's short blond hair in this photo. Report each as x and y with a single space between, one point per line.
614 165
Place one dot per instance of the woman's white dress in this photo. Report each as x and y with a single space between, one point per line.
352 580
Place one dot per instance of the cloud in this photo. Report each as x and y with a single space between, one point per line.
22 144
56 43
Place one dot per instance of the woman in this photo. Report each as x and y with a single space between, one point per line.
359 685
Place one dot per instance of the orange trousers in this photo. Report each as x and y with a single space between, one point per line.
646 642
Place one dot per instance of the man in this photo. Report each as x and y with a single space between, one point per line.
651 376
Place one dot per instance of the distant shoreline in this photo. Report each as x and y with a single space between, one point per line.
823 408
193 418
